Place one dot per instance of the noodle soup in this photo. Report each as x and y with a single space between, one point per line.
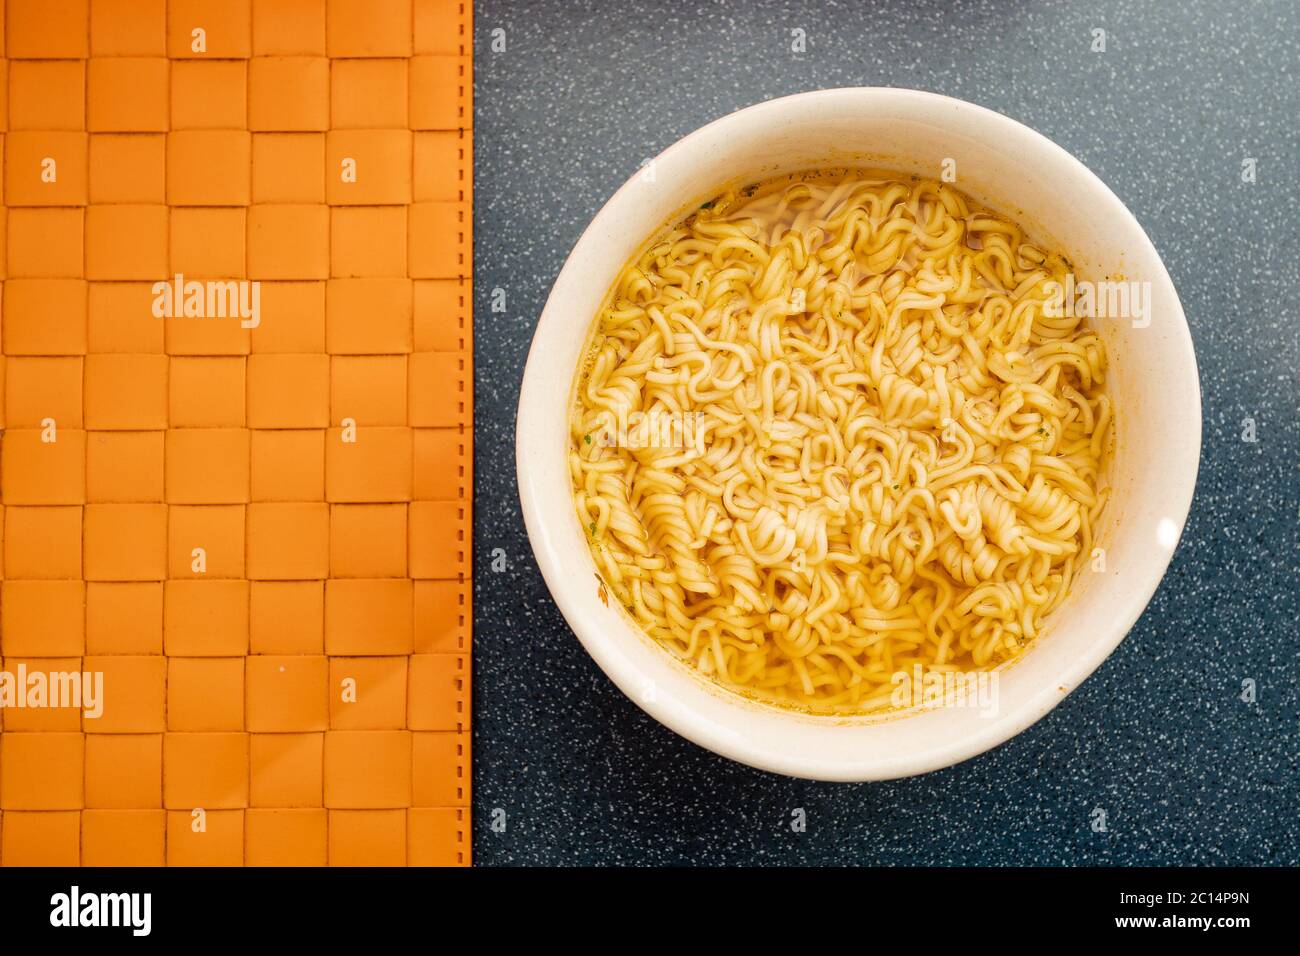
834 428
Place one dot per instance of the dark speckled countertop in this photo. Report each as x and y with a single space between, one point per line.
1159 737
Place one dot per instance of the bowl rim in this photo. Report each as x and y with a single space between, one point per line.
984 735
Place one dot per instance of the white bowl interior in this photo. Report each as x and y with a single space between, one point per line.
1153 384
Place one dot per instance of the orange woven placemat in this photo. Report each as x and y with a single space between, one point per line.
236 458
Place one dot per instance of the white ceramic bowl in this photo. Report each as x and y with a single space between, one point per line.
1007 167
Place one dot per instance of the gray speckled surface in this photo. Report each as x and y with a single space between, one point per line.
1158 737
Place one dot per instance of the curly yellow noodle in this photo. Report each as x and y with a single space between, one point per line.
886 450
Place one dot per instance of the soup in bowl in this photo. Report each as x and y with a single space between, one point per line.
859 427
